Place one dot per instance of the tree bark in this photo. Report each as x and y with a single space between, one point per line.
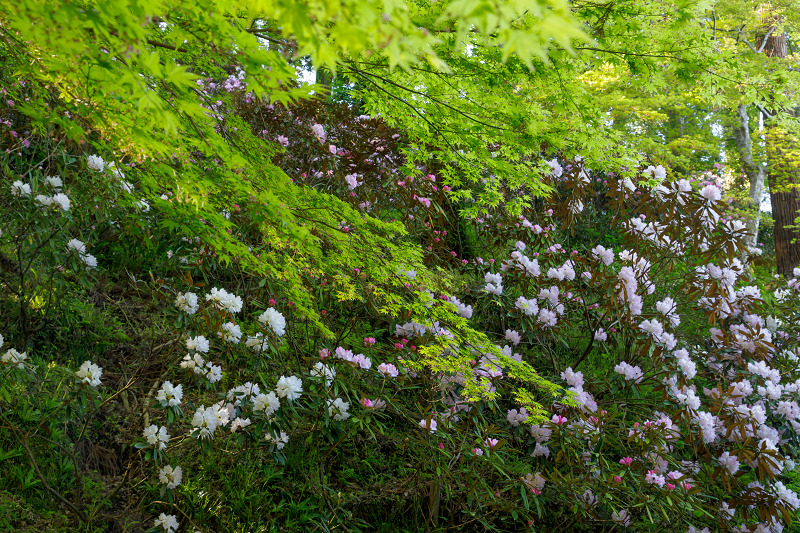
756 174
783 160
784 186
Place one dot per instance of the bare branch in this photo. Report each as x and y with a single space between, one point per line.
764 42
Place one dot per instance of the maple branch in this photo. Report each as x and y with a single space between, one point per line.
167 46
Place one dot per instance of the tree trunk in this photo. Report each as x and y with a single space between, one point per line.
784 186
784 162
756 174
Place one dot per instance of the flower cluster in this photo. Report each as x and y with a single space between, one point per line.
78 247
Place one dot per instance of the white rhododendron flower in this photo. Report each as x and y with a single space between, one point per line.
169 476
239 423
157 437
13 357
289 388
388 370
44 201
631 373
95 162
62 200
338 409
187 302
266 403
275 320
321 370
170 394
257 342
711 193
167 522
206 420
90 373
213 372
90 260
20 189
280 440
230 333
199 343
115 171
222 299
78 246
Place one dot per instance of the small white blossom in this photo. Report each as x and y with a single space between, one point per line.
268 403
222 299
156 436
279 440
78 246
321 370
167 522
170 476
338 409
230 333
20 189
90 373
199 343
13 357
90 261
170 394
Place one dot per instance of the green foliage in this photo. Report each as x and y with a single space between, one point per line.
185 101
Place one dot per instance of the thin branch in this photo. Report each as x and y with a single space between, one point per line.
424 95
167 46
619 53
259 32
745 41
764 43
758 106
417 111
